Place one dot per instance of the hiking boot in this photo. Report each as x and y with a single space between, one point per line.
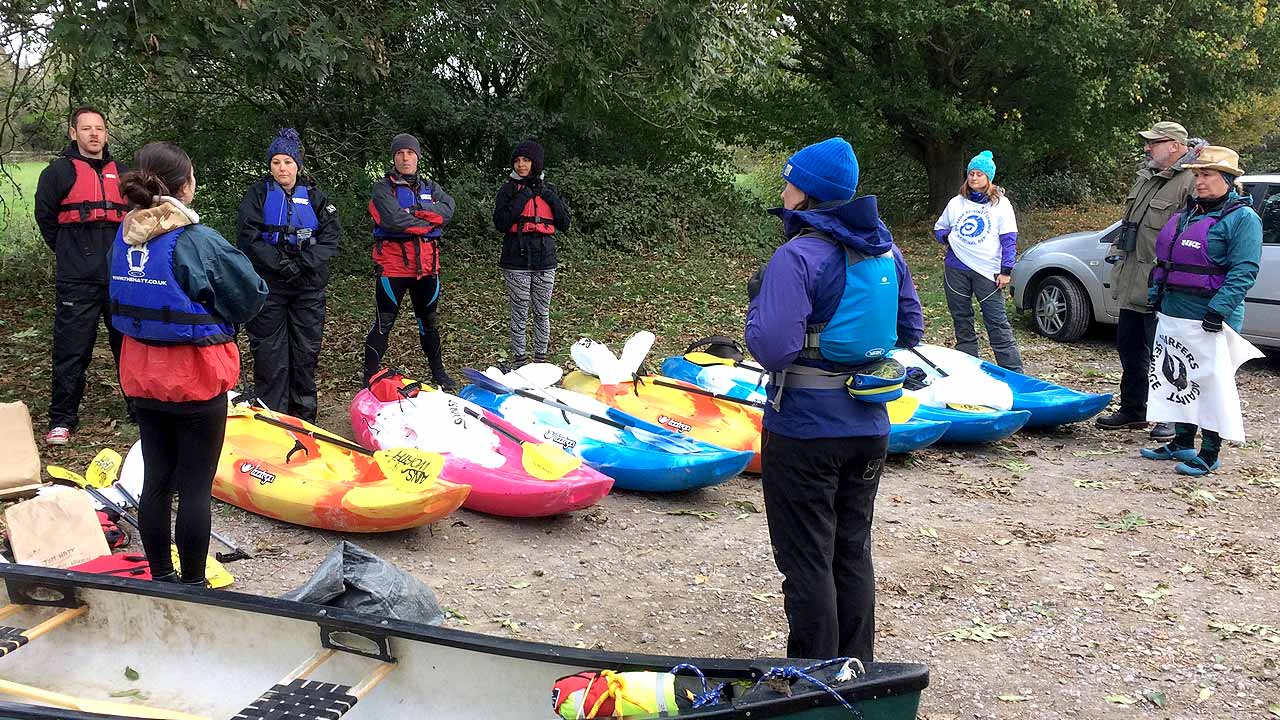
1120 420
1162 431
58 436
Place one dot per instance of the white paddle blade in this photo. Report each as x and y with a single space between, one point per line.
538 375
594 358
635 350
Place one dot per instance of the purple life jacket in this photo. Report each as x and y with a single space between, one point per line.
1182 258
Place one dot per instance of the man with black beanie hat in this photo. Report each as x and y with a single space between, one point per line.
409 214
528 212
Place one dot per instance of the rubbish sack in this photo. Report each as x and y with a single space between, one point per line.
356 579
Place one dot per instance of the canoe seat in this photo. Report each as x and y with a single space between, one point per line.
301 699
11 639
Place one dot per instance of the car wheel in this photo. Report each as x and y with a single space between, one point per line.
1061 310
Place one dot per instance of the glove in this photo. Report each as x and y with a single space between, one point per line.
1212 322
754 283
290 270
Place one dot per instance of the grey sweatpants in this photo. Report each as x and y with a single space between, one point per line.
530 291
961 286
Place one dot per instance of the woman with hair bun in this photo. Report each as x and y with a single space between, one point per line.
177 289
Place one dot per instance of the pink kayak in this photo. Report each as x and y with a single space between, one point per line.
477 453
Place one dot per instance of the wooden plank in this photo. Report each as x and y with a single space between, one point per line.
375 677
104 707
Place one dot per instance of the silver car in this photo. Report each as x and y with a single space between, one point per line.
1066 282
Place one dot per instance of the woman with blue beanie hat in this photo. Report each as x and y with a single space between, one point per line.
830 303
289 230
981 234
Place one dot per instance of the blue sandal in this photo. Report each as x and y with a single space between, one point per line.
1196 467
1168 452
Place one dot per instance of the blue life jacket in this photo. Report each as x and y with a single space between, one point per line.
862 330
289 219
148 304
411 199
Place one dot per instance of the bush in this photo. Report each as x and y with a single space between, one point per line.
1053 190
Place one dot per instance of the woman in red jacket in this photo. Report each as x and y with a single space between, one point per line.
177 287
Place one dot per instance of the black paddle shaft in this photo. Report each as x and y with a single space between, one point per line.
941 372
313 434
699 391
495 426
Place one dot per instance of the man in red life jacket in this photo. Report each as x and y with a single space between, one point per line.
79 209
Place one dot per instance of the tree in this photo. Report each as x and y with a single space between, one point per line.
1053 82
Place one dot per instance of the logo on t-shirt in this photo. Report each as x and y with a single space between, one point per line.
972 226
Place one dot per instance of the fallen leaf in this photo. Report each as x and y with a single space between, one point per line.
1205 694
130 673
520 584
135 693
1108 587
1120 699
1013 698
1274 708
929 532
1156 698
1003 541
699 579
743 505
700 514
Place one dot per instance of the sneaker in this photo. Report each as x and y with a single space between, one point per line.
1162 431
444 381
1119 420
1168 452
58 436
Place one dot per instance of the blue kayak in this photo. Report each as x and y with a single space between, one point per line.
638 456
745 383
958 379
966 427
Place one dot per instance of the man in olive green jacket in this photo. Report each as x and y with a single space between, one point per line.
1161 189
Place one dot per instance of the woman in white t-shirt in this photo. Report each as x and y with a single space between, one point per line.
981 235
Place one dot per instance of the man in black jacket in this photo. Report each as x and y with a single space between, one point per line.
79 208
289 229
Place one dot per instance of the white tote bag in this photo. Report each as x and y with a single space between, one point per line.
1193 376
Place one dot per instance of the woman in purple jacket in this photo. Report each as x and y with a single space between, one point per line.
837 283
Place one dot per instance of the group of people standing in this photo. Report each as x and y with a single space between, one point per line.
174 293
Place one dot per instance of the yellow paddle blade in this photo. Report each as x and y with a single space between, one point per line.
547 461
104 468
411 470
239 410
214 573
60 473
902 409
965 407
705 359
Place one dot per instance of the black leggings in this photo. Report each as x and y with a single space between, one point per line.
424 293
181 443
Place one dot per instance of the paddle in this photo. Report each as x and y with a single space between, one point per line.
703 359
673 443
545 461
410 469
103 472
216 575
699 391
962 407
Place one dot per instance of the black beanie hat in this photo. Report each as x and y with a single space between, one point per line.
405 141
532 150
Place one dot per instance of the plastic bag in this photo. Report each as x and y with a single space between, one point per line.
356 579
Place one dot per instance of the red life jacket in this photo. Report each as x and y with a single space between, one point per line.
535 217
95 196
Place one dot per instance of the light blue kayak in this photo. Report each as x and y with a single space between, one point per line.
742 381
638 455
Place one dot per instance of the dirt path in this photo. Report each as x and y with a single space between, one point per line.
1053 575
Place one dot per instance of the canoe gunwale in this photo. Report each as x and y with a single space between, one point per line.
882 679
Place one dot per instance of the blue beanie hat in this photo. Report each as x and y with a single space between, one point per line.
287 142
824 171
985 162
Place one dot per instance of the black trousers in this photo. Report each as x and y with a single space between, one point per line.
181 443
819 497
1135 338
75 330
285 338
424 293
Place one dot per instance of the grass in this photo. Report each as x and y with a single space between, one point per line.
21 249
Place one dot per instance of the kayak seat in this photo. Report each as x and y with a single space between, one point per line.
301 699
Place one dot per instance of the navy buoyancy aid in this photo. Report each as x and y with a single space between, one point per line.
288 218
94 197
411 199
535 217
862 330
147 303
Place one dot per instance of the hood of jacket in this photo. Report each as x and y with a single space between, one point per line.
855 224
143 224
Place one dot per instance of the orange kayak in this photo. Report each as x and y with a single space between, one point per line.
682 407
320 485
